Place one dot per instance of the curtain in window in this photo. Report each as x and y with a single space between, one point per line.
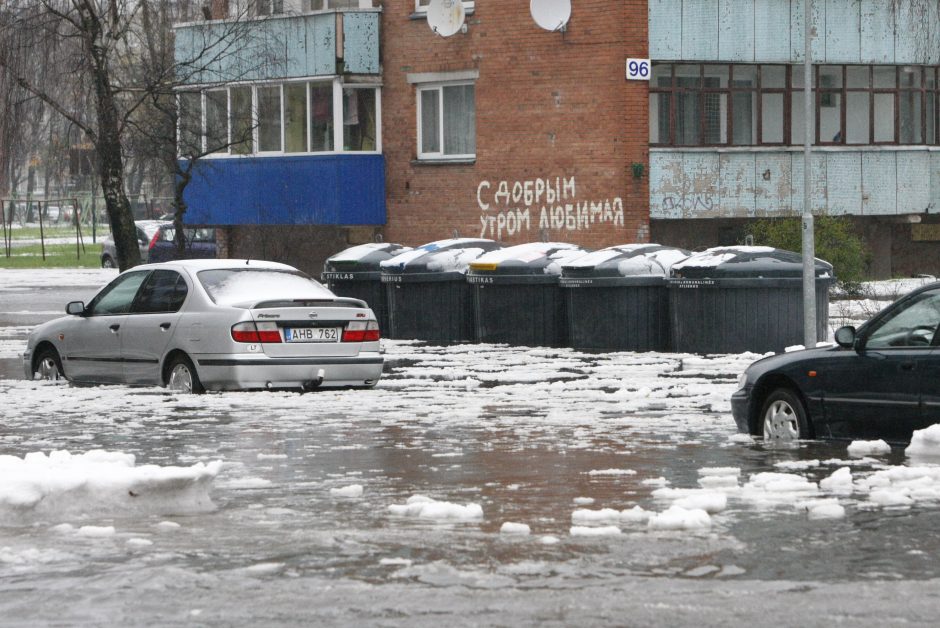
430 121
459 120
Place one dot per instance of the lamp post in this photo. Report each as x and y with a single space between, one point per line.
809 244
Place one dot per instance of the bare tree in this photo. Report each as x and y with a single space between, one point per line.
119 56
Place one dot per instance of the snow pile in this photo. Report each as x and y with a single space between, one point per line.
839 482
264 284
679 518
925 442
584 516
718 477
453 261
100 482
354 490
902 486
427 508
558 254
611 472
358 253
770 488
520 529
861 448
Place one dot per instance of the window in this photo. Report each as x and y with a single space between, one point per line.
912 325
266 7
320 5
446 121
745 105
118 296
359 128
269 118
190 123
421 6
278 118
164 291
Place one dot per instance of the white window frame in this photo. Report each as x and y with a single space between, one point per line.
439 87
419 8
337 87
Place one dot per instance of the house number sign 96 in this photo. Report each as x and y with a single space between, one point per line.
638 69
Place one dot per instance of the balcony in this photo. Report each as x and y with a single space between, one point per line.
280 46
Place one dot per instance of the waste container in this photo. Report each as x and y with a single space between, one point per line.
617 298
743 298
355 273
428 295
516 298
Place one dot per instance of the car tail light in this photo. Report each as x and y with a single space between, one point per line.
258 333
361 331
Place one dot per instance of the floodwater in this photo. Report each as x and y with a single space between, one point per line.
521 432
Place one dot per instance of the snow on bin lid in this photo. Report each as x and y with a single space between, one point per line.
629 260
546 257
452 255
361 252
746 261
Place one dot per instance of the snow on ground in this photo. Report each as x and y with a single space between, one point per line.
19 279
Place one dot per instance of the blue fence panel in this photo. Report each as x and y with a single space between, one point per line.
295 190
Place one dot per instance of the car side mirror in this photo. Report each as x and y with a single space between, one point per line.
845 337
75 308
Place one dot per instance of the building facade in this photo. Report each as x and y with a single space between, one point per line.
346 119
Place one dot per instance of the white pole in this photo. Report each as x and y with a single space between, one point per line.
809 246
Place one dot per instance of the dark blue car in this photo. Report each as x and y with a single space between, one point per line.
200 243
880 382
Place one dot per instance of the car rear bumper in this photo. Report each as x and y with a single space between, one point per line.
740 408
234 372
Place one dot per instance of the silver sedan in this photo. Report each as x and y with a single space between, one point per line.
193 325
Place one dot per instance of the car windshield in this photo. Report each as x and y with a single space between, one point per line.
231 286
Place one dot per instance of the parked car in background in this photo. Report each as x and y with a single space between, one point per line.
146 230
879 382
200 243
193 325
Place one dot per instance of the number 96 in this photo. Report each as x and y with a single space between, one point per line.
639 68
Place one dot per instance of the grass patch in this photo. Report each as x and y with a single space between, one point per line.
57 256
63 231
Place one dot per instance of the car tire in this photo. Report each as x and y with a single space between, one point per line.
47 365
107 262
181 376
783 417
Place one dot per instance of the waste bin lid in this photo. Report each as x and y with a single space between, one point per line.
444 256
534 258
364 257
626 260
740 262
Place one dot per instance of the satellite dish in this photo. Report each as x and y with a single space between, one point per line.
446 17
552 15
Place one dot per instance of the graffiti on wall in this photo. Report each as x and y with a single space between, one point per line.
689 204
512 207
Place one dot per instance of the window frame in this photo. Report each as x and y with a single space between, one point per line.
337 87
468 6
439 86
917 95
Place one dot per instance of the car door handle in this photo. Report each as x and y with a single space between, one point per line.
164 326
908 366
114 328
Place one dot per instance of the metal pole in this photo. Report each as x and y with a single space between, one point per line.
809 245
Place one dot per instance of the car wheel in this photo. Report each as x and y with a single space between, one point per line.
48 366
107 262
783 417
182 377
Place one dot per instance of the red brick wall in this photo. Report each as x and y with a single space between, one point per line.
554 107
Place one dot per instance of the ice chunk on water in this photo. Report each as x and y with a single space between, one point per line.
354 490
61 485
514 528
594 531
427 508
861 448
839 482
925 442
679 518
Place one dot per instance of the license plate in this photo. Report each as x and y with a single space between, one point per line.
311 334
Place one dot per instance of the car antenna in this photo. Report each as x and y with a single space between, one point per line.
246 261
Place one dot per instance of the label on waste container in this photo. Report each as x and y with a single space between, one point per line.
338 276
391 278
479 279
692 283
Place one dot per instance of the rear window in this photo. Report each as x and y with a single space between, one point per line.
167 234
237 286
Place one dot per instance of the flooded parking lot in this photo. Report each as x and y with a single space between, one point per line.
628 496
